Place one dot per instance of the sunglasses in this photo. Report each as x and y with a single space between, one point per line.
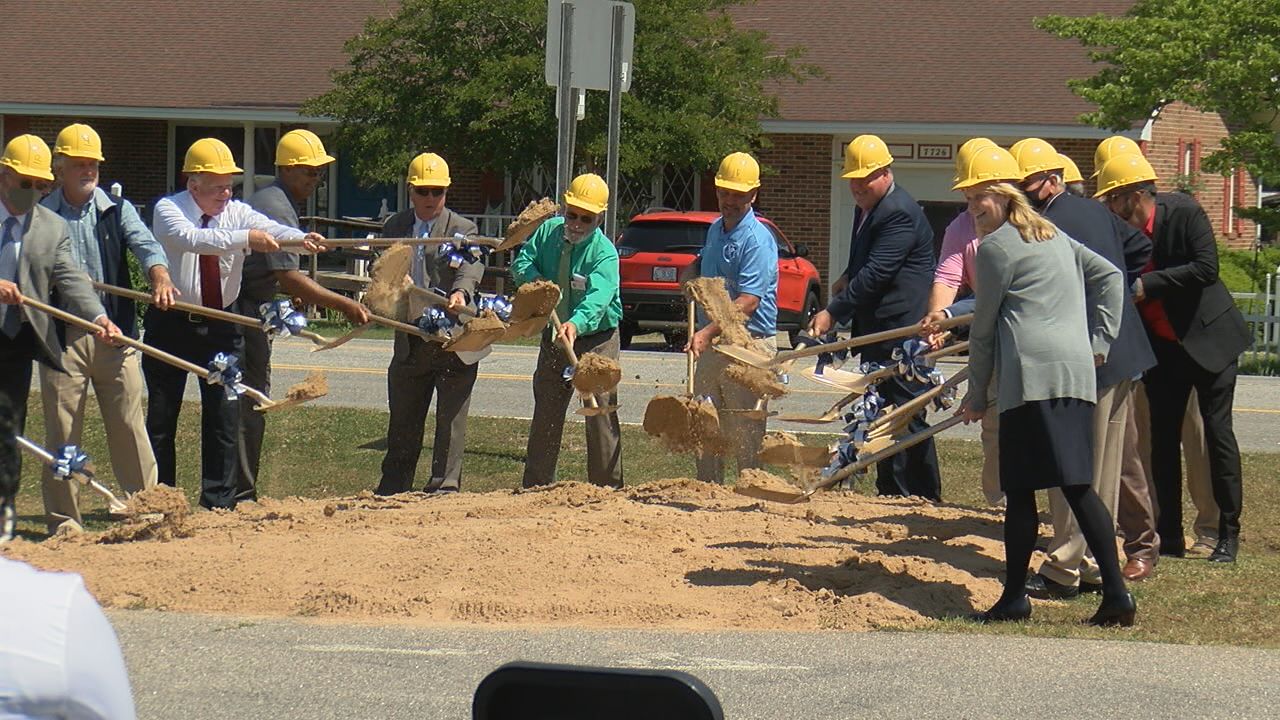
584 218
41 185
428 191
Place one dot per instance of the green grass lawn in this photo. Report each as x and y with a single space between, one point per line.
323 452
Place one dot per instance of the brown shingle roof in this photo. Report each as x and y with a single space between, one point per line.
935 61
184 54
885 61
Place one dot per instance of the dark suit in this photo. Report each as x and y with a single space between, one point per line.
890 271
1211 335
420 368
45 264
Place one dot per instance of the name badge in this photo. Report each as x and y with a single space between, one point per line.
579 282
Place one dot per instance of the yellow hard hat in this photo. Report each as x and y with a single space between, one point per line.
210 155
28 155
989 164
738 171
864 155
1070 171
1111 147
1035 155
429 170
966 150
301 147
588 192
79 140
1122 170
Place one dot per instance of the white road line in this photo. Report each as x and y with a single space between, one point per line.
374 650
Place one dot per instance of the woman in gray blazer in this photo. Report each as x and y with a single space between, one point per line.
1031 322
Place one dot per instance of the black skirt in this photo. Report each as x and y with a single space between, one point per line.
1046 444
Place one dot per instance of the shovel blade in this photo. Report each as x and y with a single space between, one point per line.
777 496
355 333
745 355
474 340
526 328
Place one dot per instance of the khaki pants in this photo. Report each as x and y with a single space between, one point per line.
116 376
1195 457
1069 557
551 396
1136 511
744 435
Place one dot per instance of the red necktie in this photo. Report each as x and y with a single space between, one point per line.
210 275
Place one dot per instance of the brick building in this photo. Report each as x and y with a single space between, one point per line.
151 82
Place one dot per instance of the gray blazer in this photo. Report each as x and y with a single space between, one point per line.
45 265
1030 324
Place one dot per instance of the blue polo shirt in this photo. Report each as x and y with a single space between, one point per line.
747 259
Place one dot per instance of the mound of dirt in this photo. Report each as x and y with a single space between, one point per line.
534 299
596 374
389 281
761 382
314 385
716 303
783 448
158 513
684 424
671 554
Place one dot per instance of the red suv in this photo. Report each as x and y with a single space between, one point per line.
657 245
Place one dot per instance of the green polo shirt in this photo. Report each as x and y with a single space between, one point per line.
592 309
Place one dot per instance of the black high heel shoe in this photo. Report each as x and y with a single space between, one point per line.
1005 611
1115 612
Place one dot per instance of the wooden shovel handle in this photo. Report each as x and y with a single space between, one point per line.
871 339
386 242
214 313
434 299
689 382
568 348
142 347
910 408
907 442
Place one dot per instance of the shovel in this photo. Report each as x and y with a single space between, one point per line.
82 474
863 462
896 419
214 313
761 360
264 403
469 340
660 411
525 320
590 406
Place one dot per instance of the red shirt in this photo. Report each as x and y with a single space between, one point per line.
1152 311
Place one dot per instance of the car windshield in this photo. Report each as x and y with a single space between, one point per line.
664 236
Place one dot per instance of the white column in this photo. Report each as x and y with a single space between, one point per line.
248 159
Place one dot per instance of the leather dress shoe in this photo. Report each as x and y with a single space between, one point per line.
1226 551
1138 569
1115 612
1005 611
1042 588
1088 588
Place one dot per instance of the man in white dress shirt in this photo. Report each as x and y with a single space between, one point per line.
206 236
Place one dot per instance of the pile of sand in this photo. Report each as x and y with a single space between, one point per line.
684 424
158 513
761 382
389 279
674 554
711 294
534 299
596 374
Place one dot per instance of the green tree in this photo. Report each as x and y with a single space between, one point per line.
1219 56
466 77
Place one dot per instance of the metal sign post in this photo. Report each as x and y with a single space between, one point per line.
566 95
616 80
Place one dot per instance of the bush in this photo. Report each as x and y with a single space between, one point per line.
1259 363
1245 271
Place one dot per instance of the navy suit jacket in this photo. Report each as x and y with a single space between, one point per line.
890 269
1129 249
1204 317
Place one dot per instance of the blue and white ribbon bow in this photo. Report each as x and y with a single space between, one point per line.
224 370
69 459
435 320
913 363
280 318
834 360
865 411
456 253
498 304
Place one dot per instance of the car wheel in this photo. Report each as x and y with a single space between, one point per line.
625 334
811 308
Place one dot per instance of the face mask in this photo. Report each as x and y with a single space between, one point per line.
23 199
1034 198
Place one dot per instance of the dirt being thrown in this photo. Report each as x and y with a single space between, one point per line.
760 381
710 293
314 385
783 448
684 424
534 299
596 374
387 293
533 215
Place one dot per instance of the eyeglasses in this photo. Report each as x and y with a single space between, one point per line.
428 191
41 185
584 218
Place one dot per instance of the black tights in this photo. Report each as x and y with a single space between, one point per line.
1022 523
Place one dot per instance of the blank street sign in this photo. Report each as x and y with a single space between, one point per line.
592 32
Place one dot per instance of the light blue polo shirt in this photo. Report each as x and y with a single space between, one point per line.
747 259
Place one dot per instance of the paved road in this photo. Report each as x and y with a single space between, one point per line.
190 666
357 377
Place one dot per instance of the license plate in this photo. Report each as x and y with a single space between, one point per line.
664 274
